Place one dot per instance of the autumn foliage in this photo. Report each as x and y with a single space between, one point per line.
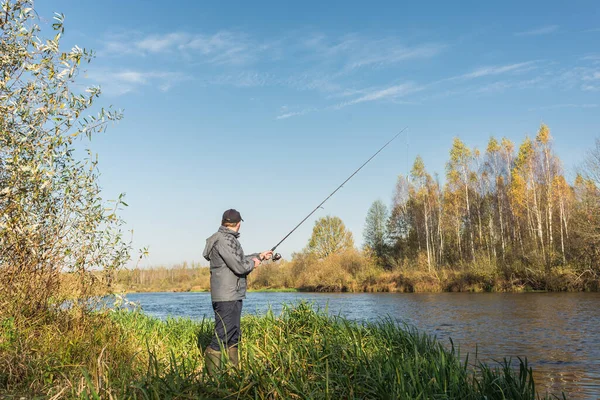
511 209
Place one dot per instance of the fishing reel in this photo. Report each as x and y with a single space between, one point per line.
276 257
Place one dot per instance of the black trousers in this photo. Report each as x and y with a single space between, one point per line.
227 324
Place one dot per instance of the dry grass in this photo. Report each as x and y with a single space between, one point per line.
355 271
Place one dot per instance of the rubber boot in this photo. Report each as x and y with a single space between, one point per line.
212 359
232 352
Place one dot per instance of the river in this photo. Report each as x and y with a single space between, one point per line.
559 333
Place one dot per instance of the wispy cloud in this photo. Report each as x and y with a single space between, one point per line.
286 112
355 51
120 82
566 105
392 92
498 69
590 87
160 43
584 78
591 57
225 48
292 114
342 70
243 79
544 30
220 48
321 63
505 85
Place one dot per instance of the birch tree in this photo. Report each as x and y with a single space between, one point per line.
376 229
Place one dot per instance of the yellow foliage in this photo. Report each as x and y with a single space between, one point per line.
543 135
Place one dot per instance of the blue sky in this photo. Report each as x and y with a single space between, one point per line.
267 106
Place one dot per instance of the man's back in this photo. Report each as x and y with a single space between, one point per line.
228 265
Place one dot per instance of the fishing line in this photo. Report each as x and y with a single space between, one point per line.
277 256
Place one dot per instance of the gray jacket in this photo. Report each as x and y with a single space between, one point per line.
228 265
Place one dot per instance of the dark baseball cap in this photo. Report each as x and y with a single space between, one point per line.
232 216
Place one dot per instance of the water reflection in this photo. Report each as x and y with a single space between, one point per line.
557 332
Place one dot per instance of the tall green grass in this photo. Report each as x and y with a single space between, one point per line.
302 353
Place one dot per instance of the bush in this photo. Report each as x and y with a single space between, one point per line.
52 217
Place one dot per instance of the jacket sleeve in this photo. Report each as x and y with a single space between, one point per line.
234 257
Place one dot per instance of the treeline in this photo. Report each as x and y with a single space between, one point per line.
509 208
180 277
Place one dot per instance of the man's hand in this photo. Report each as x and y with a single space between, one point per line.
265 255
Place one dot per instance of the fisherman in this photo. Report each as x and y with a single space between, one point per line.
229 268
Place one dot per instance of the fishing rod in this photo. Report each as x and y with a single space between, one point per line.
277 256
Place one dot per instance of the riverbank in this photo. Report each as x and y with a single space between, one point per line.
352 272
262 290
298 354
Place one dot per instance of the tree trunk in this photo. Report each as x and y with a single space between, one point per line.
538 217
427 235
469 224
501 224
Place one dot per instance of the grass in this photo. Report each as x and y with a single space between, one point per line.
301 353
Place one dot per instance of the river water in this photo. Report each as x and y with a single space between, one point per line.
559 333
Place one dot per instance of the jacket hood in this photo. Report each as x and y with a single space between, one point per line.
211 241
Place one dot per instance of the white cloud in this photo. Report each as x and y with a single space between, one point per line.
392 92
160 43
544 30
132 77
292 114
594 58
336 67
225 47
120 82
286 112
354 51
242 79
590 88
584 78
502 86
220 48
566 105
322 63
498 69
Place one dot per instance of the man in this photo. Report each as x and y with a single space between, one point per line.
229 268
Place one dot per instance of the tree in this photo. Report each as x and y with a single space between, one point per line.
423 184
329 236
376 229
458 173
592 164
52 217
564 199
544 141
586 224
525 194
495 177
399 223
